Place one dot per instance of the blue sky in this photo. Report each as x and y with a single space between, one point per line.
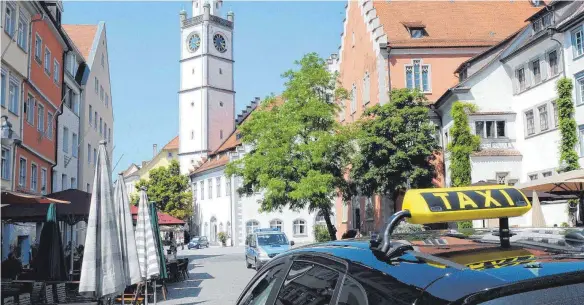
144 48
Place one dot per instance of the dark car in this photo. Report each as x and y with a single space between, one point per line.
523 266
198 242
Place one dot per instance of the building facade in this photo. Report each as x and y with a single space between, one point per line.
410 44
518 122
206 96
96 108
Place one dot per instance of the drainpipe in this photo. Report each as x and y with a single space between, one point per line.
552 31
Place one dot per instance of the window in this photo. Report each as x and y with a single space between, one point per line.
13 96
210 186
556 118
261 289
56 72
227 186
104 129
55 179
547 20
581 139
72 63
40 118
94 156
366 89
106 100
352 293
418 76
6 163
553 63
192 134
29 109
102 60
47 61
49 125
502 178
536 71
533 177
543 117
530 121
218 181
220 71
96 85
537 25
101 93
73 184
9 18
100 126
354 99
22 37
65 139
76 103
490 129
195 188
308 283
64 181
90 115
22 172
38 47
202 190
109 134
43 181
546 174
221 134
276 224
95 120
251 226
299 227
3 89
520 76
33 178
417 32
578 42
580 90
88 153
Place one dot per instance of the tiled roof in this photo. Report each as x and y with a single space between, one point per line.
496 152
213 163
82 35
173 144
452 23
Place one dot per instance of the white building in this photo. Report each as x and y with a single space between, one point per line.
206 96
66 171
513 84
96 119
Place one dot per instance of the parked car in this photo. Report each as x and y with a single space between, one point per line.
198 242
264 244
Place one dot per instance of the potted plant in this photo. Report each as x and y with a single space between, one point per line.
222 238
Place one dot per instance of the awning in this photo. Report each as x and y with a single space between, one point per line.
163 218
76 209
10 197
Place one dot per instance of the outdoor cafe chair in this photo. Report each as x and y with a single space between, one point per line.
61 293
8 301
24 299
36 294
48 297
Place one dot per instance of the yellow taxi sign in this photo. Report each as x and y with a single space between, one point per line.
464 203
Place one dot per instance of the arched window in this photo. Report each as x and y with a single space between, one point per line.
276 223
221 227
228 229
299 228
250 226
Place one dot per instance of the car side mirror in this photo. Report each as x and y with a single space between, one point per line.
291 243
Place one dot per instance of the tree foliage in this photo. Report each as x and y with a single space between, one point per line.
568 128
299 151
396 145
169 189
462 145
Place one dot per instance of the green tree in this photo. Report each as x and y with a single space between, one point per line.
299 151
396 145
169 189
462 145
568 128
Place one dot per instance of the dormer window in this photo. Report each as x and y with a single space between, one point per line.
542 23
416 29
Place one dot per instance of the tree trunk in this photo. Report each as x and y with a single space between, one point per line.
394 196
330 227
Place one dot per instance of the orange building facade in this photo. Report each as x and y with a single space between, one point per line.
388 45
42 101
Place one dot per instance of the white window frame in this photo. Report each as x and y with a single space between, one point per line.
106 100
13 99
548 62
43 180
56 73
517 82
96 85
101 93
73 182
88 153
65 139
21 177
9 20
30 106
47 66
250 226
547 118
578 51
366 89
419 86
38 48
527 124
556 117
6 163
41 118
64 180
34 177
485 135
210 187
22 35
90 115
49 130
532 71
227 186
297 224
218 186
202 183
354 99
3 80
277 223
581 139
579 84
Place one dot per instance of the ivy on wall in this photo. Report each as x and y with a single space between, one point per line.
568 128
462 145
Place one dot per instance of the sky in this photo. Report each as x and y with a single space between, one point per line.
144 49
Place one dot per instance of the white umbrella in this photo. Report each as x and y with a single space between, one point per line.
147 252
101 271
126 234
537 218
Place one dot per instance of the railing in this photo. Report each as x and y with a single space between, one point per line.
497 143
222 21
199 19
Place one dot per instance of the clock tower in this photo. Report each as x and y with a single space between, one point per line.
206 96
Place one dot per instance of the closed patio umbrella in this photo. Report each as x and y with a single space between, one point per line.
126 234
101 271
145 242
50 263
153 211
537 219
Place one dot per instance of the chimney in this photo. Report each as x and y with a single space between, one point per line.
154 150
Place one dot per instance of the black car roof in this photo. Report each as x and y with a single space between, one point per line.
469 263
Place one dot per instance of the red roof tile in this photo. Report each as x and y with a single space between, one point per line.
82 36
452 23
163 218
173 144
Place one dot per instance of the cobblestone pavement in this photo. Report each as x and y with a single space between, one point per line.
217 276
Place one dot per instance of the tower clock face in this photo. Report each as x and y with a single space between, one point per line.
194 42
220 43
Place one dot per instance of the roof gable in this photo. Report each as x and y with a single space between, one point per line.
82 36
172 145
